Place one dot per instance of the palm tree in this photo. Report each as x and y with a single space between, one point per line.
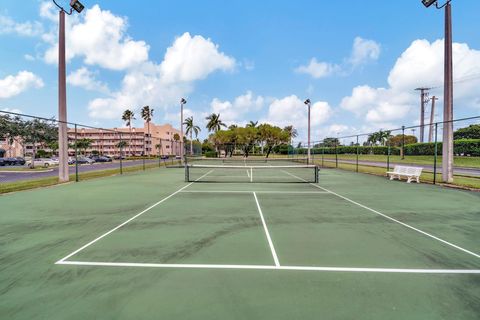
292 133
214 122
121 145
191 128
128 116
252 124
232 127
147 115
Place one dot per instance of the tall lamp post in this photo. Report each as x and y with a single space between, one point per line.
182 102
309 104
62 91
447 146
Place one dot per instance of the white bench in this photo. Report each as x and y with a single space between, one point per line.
411 173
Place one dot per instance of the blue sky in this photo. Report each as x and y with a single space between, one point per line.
358 61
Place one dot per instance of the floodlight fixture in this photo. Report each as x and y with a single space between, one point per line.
428 3
307 102
77 5
183 101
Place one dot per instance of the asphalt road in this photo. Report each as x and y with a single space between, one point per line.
472 172
6 176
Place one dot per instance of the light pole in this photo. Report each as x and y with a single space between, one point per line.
309 104
447 146
182 102
62 91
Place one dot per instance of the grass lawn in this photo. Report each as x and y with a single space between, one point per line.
471 162
45 182
469 182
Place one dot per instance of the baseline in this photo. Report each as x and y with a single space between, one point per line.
270 267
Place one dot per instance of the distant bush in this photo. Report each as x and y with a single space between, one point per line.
211 154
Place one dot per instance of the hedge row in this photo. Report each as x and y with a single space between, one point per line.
466 147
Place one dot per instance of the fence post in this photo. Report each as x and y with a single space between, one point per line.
121 153
435 156
159 157
336 154
323 154
388 156
358 149
403 142
76 155
144 151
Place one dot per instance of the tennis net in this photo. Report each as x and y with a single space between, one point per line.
263 174
250 161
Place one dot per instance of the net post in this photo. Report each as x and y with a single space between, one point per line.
317 169
187 174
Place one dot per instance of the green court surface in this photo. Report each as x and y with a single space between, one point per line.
151 246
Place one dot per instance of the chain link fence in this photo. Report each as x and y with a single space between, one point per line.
29 151
379 152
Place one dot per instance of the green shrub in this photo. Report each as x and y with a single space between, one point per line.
211 154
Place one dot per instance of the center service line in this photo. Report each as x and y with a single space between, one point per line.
270 243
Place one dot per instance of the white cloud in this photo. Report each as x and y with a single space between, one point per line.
29 57
99 37
193 58
27 29
235 112
363 51
163 85
292 111
86 79
13 85
420 65
317 69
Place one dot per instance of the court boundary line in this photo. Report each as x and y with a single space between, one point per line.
270 267
392 219
257 191
127 221
269 239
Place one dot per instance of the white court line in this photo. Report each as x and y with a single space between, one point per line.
267 267
393 219
257 191
270 243
124 223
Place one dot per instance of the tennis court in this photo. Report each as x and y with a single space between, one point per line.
241 241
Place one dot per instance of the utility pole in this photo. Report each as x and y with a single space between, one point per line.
423 100
432 119
447 145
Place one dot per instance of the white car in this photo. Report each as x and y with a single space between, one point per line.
42 162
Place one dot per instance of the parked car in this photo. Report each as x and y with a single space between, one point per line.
10 161
20 161
2 162
119 157
98 158
42 162
84 160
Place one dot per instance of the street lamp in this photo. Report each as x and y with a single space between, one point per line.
309 104
182 102
447 146
62 91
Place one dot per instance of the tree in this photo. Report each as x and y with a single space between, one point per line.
470 132
122 145
397 141
10 129
38 132
191 128
272 136
84 144
252 124
128 116
330 142
214 123
147 115
246 137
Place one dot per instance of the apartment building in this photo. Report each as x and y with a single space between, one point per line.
160 142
